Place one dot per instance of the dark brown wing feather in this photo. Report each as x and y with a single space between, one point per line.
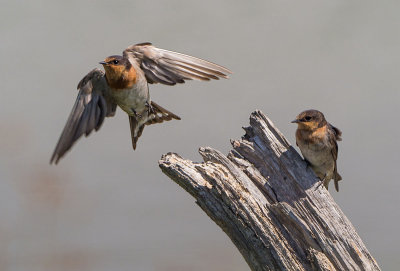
335 135
337 132
159 115
88 113
170 68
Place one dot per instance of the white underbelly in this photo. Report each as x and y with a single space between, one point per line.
131 100
319 157
316 154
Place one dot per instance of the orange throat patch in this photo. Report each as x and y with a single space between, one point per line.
118 77
311 134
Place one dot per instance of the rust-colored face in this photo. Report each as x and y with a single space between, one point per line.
113 66
310 120
119 72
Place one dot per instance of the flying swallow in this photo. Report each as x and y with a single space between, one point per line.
125 84
317 140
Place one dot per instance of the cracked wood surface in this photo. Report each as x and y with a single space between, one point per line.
266 199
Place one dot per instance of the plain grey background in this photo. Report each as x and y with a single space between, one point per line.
107 207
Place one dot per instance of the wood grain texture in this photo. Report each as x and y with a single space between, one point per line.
270 204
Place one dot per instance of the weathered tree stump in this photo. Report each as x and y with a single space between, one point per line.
266 199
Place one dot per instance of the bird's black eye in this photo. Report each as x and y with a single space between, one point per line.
115 62
307 118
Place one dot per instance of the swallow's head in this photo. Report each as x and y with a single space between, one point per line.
114 64
310 120
119 72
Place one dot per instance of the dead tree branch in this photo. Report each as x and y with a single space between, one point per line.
270 204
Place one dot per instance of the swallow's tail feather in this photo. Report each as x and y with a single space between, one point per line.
337 178
136 130
158 115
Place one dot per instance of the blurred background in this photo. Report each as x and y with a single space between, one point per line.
106 207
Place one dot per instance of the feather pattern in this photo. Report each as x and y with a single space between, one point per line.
88 113
169 68
336 136
158 115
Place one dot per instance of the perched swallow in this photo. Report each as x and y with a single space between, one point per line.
317 140
125 83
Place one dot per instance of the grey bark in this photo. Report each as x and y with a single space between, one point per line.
266 199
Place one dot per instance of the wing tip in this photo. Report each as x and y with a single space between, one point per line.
54 159
143 43
51 161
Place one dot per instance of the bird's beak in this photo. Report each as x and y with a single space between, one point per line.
295 121
103 63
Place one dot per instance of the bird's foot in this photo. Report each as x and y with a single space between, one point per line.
319 185
321 182
150 109
138 116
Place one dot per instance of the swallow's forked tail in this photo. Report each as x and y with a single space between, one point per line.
158 115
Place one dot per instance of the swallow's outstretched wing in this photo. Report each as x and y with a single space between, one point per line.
169 68
90 109
335 135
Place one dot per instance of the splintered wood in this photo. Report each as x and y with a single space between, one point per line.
266 199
